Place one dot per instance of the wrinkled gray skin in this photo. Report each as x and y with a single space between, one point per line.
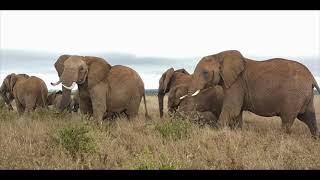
205 107
274 87
168 83
102 87
55 99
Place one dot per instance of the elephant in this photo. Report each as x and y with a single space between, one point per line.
168 82
273 87
207 105
27 91
6 95
55 98
102 87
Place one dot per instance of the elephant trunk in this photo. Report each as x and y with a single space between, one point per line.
3 94
160 100
65 100
68 79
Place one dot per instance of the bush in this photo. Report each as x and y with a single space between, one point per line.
174 129
147 161
76 140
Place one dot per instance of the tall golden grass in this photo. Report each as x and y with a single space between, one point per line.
47 140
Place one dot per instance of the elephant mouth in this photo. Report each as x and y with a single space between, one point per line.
81 82
56 83
182 97
69 87
196 93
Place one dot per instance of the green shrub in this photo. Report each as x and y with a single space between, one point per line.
174 129
76 140
147 161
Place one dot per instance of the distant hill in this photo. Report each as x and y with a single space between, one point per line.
148 91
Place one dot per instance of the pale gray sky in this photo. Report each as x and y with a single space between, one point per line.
179 35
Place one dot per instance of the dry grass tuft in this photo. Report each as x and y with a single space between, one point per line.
47 140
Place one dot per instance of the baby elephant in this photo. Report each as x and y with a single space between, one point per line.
55 99
204 108
27 91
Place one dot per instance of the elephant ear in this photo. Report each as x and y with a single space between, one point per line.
166 82
24 75
59 64
232 64
98 69
182 71
12 82
50 98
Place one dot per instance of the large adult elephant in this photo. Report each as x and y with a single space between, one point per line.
169 83
102 87
27 91
274 87
5 92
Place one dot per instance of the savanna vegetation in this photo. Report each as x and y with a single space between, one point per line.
48 140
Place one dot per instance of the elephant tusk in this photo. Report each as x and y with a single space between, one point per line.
196 93
56 83
71 87
182 97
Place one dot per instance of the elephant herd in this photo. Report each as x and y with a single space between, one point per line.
222 86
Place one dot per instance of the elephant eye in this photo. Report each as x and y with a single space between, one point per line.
81 68
205 73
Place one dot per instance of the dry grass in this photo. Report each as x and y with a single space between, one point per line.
46 140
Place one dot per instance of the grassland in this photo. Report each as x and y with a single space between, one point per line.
47 140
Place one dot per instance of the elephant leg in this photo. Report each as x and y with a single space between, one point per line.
133 109
85 105
30 104
98 97
232 105
207 118
237 122
309 118
20 108
287 122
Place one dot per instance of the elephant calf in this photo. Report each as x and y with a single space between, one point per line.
206 107
55 100
27 91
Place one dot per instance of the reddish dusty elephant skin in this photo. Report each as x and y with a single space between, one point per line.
55 99
168 83
205 107
274 87
102 88
28 92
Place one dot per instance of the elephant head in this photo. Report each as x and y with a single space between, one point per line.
165 83
81 70
51 97
6 89
218 69
175 96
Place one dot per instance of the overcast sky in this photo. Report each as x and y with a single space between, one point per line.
179 38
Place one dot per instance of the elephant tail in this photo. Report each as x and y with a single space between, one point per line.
44 97
315 84
145 107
